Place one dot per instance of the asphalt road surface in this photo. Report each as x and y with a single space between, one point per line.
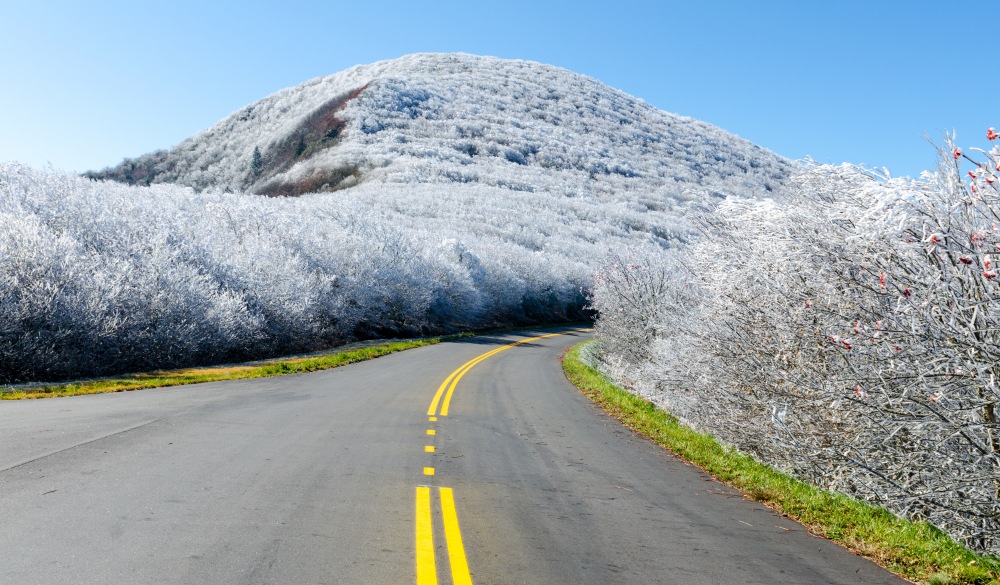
379 473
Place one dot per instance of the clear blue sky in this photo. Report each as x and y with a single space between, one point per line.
85 84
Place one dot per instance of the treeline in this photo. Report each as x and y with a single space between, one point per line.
100 278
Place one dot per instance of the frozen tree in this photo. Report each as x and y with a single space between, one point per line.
256 163
847 334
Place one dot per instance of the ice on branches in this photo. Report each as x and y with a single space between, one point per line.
100 277
864 310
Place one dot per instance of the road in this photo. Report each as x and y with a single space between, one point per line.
357 475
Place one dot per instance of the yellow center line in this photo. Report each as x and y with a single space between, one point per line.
453 537
426 563
458 372
452 380
454 383
426 567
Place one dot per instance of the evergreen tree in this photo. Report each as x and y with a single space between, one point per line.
256 163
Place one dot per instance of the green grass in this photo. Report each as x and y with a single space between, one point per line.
276 367
914 550
214 374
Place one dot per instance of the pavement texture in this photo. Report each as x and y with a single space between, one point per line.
317 478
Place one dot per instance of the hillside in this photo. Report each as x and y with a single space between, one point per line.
470 192
459 119
435 193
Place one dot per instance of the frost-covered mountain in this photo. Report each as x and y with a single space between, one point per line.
470 192
461 119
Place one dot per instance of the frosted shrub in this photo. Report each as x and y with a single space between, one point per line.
635 294
98 278
849 335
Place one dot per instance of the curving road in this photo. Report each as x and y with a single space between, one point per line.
358 475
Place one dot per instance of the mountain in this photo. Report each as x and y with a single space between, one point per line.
470 192
456 119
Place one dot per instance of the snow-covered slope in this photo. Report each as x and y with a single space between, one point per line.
461 120
470 192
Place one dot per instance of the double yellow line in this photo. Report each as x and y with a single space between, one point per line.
426 564
426 561
451 381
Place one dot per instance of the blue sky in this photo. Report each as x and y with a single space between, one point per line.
85 84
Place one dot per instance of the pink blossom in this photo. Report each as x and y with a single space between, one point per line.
991 134
957 152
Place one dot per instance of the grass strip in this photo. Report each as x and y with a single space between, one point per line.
214 374
914 550
266 368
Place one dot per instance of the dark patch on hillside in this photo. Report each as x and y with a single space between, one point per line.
325 181
319 131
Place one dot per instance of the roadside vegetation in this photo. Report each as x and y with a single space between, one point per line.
341 356
848 335
98 279
915 550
